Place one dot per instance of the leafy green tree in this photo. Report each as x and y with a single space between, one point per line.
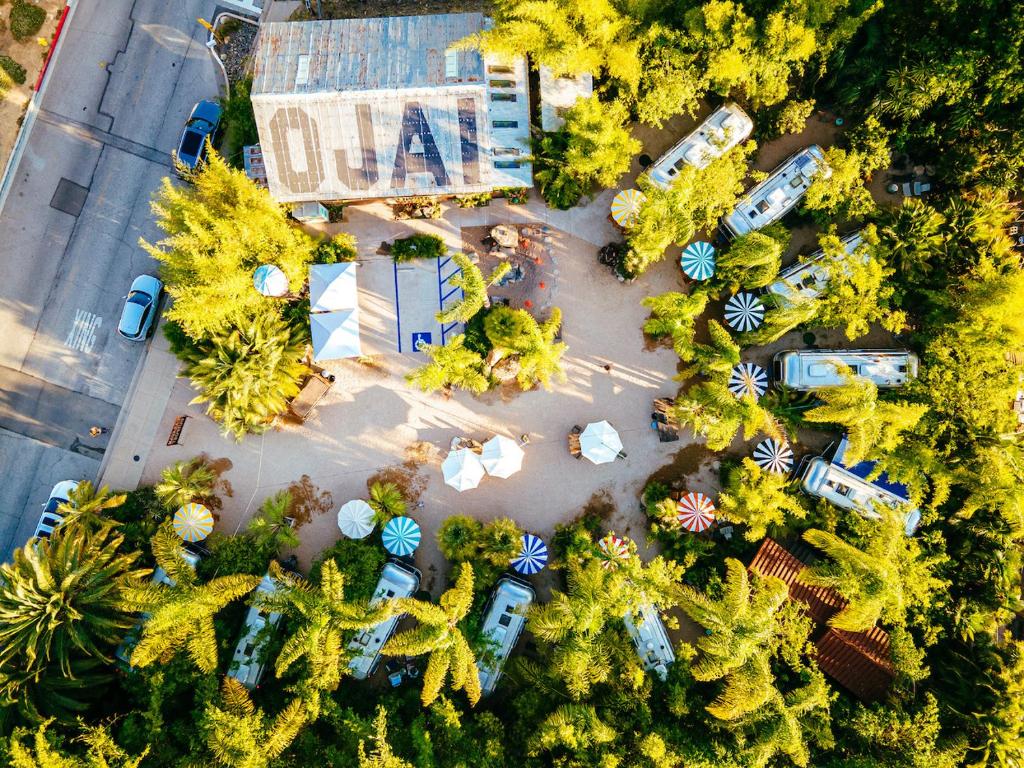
672 81
86 504
239 735
911 237
793 116
451 366
382 756
185 481
60 609
784 723
559 189
839 191
181 614
757 499
883 576
673 314
438 634
572 727
511 329
500 541
269 528
218 230
717 359
101 751
600 147
474 289
752 261
872 426
717 415
387 501
458 538
248 375
541 361
783 318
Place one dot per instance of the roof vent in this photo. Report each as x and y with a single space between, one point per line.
302 73
451 65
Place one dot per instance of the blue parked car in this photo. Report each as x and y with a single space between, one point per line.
202 124
140 308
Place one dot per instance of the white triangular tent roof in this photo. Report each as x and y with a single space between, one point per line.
335 334
333 287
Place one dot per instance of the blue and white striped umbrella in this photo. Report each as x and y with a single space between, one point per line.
774 456
533 555
270 280
698 260
748 378
744 312
401 536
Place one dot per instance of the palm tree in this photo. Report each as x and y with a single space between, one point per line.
784 724
86 504
715 413
500 541
387 501
474 289
451 365
673 314
61 613
872 426
248 375
912 236
439 635
458 538
321 616
758 499
541 361
781 319
575 727
752 261
184 482
382 756
102 751
181 614
241 736
715 360
270 529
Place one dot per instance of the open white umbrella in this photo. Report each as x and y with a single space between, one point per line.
501 456
270 280
600 442
462 469
355 519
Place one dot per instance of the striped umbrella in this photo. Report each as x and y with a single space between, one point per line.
744 312
193 522
698 260
270 280
533 555
774 456
626 207
748 379
401 536
695 512
355 519
613 550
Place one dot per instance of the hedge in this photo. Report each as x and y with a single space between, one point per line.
418 247
26 19
13 69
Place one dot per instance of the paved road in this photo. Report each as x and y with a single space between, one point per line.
119 92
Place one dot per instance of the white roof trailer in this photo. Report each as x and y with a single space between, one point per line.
504 620
777 195
247 664
724 128
648 633
807 369
807 279
396 580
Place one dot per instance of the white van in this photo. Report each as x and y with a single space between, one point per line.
805 369
807 279
504 619
396 580
724 128
849 487
777 195
648 633
247 663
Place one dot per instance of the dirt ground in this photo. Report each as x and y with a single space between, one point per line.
30 54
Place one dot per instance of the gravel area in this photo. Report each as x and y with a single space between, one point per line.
235 52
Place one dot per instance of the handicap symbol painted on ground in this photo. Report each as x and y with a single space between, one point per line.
421 338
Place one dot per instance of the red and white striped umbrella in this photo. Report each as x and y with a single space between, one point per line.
695 512
613 550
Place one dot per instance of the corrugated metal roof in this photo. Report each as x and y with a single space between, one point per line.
772 559
859 661
366 54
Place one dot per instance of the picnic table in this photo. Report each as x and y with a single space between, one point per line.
312 392
662 420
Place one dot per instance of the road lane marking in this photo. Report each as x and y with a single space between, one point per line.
83 331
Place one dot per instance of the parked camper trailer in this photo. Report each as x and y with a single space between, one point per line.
805 369
849 487
247 663
647 631
396 580
724 128
777 195
504 620
807 279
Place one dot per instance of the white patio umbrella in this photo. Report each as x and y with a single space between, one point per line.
462 469
600 442
501 456
355 519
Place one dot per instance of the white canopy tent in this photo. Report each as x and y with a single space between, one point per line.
335 334
333 287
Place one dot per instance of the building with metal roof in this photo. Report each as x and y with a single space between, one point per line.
355 109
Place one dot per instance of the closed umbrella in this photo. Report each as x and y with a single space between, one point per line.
698 260
775 456
600 442
462 469
695 512
533 555
355 519
401 536
270 280
744 312
193 522
748 379
613 550
626 207
501 456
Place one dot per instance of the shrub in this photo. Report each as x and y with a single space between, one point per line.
458 538
418 247
13 69
26 20
359 561
514 195
233 554
331 250
479 200
239 122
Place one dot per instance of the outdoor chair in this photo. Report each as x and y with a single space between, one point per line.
574 445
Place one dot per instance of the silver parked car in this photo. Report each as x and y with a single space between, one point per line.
51 518
140 308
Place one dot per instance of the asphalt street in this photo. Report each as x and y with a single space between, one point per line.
119 92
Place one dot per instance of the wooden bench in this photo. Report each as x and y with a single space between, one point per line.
312 392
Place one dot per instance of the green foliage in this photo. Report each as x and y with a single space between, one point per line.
239 122
717 415
671 82
524 347
753 260
474 289
489 548
387 501
673 315
715 360
841 193
233 554
557 186
793 116
88 506
418 246
333 250
479 200
14 70
44 751
458 538
758 499
450 366
269 528
782 318
26 20
381 756
239 735
359 562
185 481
